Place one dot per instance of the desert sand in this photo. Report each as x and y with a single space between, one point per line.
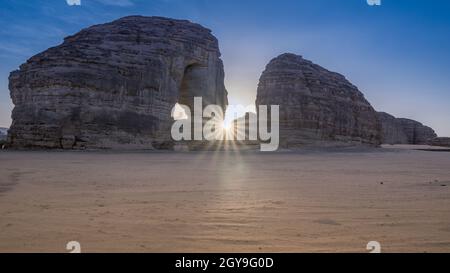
228 201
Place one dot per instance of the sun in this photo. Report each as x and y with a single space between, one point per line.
226 126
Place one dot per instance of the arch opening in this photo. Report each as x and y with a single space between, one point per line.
192 85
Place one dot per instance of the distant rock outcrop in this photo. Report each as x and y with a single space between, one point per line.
440 141
404 131
114 85
416 132
317 107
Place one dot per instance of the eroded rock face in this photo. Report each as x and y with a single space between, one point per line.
114 85
404 131
317 107
392 130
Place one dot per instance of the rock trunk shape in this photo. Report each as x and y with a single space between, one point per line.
404 131
114 85
317 107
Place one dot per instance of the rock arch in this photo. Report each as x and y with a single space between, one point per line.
116 83
194 77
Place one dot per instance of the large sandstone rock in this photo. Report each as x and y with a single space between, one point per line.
404 131
317 107
113 85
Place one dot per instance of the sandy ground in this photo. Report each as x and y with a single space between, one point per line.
308 201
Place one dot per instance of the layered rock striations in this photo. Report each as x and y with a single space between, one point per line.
416 132
404 131
114 85
392 130
317 107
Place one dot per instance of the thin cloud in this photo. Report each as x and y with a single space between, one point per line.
8 50
73 2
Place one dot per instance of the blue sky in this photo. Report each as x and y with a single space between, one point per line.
398 54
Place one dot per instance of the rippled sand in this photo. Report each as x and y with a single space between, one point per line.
309 201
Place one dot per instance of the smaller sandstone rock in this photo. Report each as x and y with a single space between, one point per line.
318 107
